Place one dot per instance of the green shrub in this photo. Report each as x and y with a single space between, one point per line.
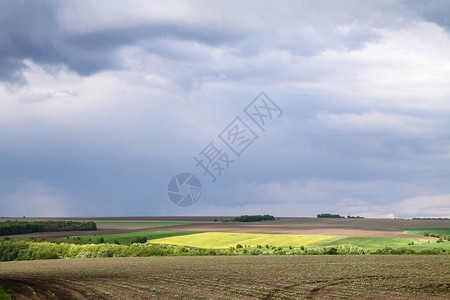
255 252
330 251
211 252
84 254
433 251
395 251
26 250
139 240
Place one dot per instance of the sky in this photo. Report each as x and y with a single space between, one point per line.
102 103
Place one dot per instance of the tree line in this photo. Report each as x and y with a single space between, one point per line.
21 227
327 215
249 218
430 218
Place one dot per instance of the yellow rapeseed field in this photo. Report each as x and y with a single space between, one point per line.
220 240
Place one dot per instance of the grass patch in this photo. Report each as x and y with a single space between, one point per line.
175 223
420 231
123 238
222 240
374 243
6 293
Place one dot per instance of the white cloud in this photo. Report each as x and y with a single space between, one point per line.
385 123
408 68
420 206
334 192
109 112
428 205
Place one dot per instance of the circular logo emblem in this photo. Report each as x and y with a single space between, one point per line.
184 189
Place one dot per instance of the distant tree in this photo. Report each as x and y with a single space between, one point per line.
327 215
353 217
430 218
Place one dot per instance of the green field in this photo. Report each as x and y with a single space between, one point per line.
124 238
146 223
374 243
420 231
221 240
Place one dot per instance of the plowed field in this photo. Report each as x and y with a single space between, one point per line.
274 277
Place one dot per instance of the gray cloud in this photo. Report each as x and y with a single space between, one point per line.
39 31
112 103
433 11
31 30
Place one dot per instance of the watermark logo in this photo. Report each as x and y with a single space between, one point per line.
238 136
184 189
213 160
262 110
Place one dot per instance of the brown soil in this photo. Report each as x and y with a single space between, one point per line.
241 277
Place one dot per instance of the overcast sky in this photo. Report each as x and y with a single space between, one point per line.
102 102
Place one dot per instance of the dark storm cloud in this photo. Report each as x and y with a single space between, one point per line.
30 30
436 11
34 30
27 30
